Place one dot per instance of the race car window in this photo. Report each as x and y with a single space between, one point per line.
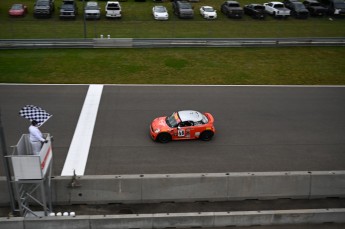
172 120
186 123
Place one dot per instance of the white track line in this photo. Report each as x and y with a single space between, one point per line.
79 149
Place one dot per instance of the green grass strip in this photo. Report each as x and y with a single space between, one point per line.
213 66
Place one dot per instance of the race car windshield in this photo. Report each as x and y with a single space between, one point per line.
172 120
204 119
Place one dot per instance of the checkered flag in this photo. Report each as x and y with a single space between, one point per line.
32 112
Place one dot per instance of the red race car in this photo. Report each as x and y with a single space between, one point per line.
183 125
18 10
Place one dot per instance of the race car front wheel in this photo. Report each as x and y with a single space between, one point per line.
164 138
206 135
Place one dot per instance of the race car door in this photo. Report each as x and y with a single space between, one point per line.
183 131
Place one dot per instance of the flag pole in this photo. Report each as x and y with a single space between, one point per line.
3 153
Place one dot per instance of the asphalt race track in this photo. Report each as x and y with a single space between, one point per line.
259 128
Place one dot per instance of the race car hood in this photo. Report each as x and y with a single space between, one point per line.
160 123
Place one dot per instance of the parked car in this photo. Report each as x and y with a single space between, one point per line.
183 125
297 9
208 12
92 11
335 7
113 9
256 11
183 9
315 8
68 9
44 8
18 10
160 13
232 9
277 9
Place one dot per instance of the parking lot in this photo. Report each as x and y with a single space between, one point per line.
138 22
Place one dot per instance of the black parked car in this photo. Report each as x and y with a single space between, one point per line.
298 10
335 7
255 11
315 8
183 9
232 9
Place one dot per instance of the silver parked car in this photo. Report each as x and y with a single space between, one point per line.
92 11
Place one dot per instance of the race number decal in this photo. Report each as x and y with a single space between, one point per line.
181 133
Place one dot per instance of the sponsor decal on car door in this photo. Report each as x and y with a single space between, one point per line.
183 132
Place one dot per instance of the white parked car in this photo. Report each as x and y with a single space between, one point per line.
113 9
277 9
208 12
160 13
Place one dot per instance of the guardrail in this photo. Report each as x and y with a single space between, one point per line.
167 42
155 188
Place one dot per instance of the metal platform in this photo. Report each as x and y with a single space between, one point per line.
30 177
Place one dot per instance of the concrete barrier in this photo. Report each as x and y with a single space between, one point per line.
192 187
327 184
98 189
184 187
268 185
12 223
61 222
122 221
279 217
181 220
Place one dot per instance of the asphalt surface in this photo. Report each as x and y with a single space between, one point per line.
258 128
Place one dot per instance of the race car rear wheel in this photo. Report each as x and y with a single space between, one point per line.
206 135
164 138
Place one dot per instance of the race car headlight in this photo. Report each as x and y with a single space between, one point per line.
157 131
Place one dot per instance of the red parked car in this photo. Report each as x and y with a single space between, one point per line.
183 125
18 10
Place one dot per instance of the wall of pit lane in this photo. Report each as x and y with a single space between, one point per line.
178 220
188 188
152 188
